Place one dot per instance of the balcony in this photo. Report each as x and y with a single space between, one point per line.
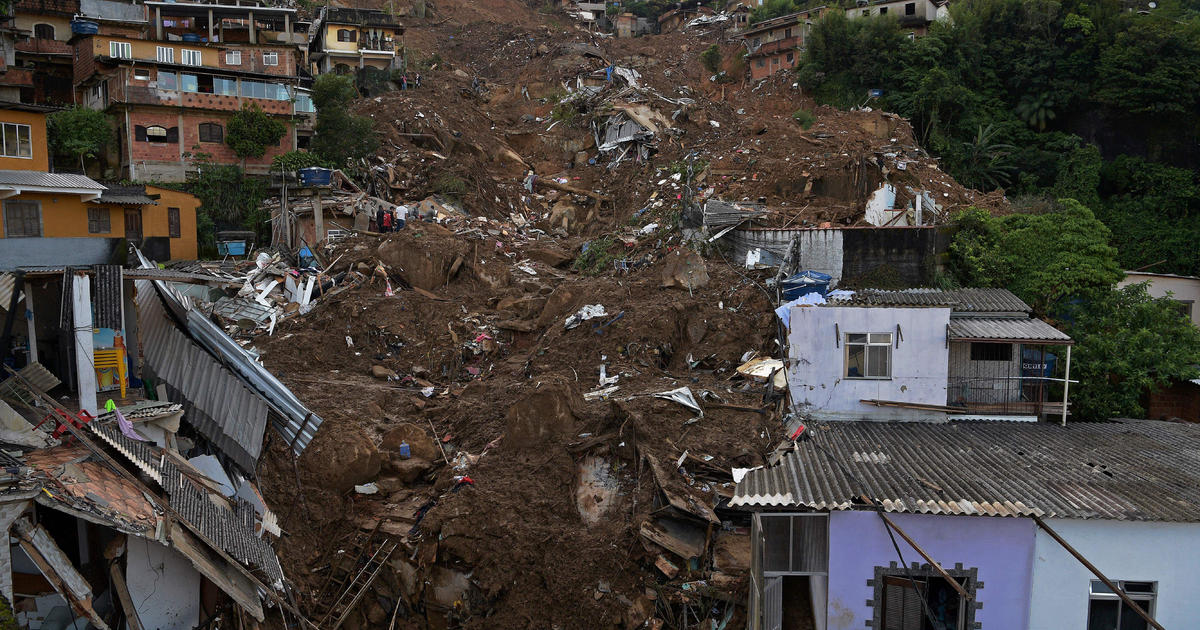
1003 396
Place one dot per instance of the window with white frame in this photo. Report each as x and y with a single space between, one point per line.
233 57
141 74
22 219
1106 611
270 59
189 57
868 355
16 141
120 50
166 54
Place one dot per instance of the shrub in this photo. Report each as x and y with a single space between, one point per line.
711 58
804 118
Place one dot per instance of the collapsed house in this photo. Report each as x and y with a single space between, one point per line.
144 510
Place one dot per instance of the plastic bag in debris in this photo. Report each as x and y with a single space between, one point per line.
784 312
682 396
591 311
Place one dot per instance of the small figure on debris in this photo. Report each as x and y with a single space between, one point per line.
398 221
388 219
379 219
417 80
404 82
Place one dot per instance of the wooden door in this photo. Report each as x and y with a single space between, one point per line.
133 224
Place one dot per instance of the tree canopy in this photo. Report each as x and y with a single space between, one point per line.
1045 99
77 133
339 135
251 131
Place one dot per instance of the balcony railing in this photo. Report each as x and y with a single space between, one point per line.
1004 396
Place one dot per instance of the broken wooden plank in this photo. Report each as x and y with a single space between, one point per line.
675 535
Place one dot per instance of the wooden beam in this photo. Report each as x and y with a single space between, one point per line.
122 589
928 558
1095 571
550 183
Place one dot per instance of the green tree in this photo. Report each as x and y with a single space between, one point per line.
1126 343
77 132
844 58
251 131
339 135
772 9
711 58
228 198
1042 258
985 163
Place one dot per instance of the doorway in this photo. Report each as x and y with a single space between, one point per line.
133 224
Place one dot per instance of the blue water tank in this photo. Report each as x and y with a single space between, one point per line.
315 176
84 27
191 37
804 283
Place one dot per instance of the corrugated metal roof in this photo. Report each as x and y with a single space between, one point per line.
215 400
1124 470
294 421
109 298
962 300
7 282
40 179
1012 328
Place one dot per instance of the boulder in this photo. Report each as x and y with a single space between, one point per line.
543 415
549 255
420 445
684 269
352 461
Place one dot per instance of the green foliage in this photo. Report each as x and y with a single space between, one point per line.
450 185
565 111
296 160
1042 258
598 256
251 130
228 198
711 58
1045 98
804 118
77 132
1127 342
8 621
772 9
340 137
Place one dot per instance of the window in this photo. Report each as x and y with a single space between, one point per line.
270 59
189 57
883 10
166 54
910 8
43 31
866 12
760 63
991 352
16 141
99 221
868 355
233 58
787 33
120 50
168 80
902 607
211 132
22 219
173 222
1106 611
346 35
258 89
156 133
794 544
791 57
141 74
1184 307
304 103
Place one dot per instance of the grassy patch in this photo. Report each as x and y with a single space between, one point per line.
600 255
804 118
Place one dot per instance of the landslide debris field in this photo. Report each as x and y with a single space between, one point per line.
525 469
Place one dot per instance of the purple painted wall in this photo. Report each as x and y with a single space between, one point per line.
1000 548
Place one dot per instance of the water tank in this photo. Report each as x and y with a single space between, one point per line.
315 176
191 37
84 27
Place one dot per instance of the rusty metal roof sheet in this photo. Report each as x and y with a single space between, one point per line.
1139 470
1006 329
961 300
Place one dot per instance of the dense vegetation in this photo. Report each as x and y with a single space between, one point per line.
1093 101
77 133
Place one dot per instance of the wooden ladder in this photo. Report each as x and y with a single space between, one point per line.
358 586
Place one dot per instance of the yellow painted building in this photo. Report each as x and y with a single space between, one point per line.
66 219
352 39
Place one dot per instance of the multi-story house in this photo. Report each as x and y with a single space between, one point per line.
172 88
775 44
914 16
41 67
348 40
64 219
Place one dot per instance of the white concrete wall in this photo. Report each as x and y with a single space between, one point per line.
817 361
164 586
1166 553
1181 288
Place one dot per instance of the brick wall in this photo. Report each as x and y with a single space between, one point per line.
252 60
162 160
1180 400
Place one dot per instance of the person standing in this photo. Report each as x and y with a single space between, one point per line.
418 80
